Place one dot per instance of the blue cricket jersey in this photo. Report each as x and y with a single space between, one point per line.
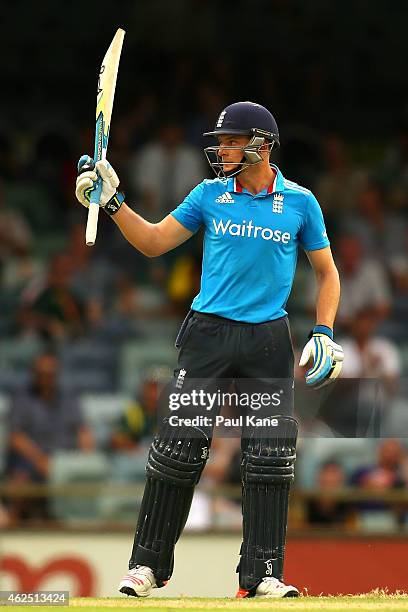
250 244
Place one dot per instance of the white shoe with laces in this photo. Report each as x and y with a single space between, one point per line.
272 587
269 587
138 582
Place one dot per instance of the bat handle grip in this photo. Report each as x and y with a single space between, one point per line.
93 212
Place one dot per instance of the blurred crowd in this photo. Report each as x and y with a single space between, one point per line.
77 321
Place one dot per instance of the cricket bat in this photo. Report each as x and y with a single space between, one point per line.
104 103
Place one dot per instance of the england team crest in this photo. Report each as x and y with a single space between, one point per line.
277 203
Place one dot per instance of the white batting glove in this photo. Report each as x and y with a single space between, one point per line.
327 357
88 172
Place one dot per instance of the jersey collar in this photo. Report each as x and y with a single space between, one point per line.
234 186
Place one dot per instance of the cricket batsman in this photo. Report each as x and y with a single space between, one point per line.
254 220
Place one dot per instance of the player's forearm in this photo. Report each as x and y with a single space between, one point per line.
328 295
141 234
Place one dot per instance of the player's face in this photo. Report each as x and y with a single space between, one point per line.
231 156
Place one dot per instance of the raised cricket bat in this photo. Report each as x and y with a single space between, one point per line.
104 103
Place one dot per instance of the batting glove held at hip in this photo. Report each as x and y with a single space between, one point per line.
327 357
88 172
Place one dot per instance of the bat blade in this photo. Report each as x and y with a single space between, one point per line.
104 104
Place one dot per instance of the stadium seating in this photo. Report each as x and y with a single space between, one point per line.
351 453
137 356
89 354
71 468
101 411
126 468
17 354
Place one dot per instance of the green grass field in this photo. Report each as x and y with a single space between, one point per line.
370 602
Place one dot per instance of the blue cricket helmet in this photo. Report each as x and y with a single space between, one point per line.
246 119
243 119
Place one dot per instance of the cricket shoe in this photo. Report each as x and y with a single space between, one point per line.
138 582
270 587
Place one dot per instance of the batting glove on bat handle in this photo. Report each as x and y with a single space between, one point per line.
97 176
327 357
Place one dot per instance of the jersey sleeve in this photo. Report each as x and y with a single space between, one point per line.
313 233
189 212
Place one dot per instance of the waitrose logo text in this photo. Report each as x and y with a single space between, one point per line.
249 230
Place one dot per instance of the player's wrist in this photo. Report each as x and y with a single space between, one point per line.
113 205
322 329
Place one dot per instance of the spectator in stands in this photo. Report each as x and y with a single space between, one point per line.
165 170
361 404
363 282
15 233
390 472
326 510
135 302
17 263
370 355
55 308
397 324
91 276
379 229
138 422
42 420
184 279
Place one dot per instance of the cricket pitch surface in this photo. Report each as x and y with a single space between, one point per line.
376 600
